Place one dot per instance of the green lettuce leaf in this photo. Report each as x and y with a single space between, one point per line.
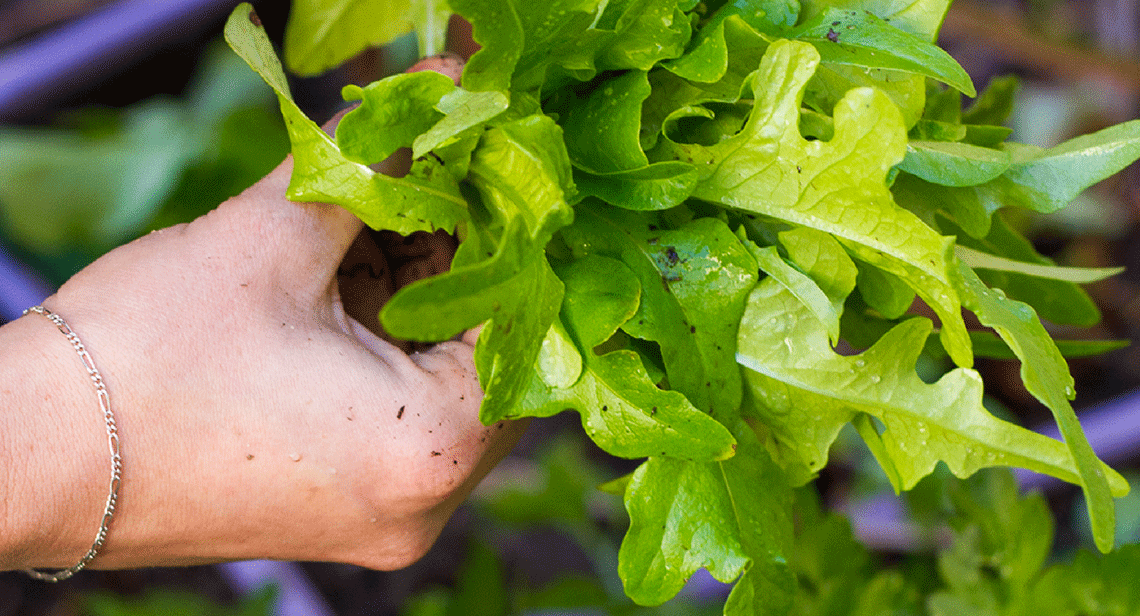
601 295
321 172
671 93
861 39
559 362
802 286
706 58
836 186
463 297
885 292
622 409
524 43
985 135
953 164
922 18
657 186
498 29
522 174
627 415
462 111
604 145
944 108
970 207
803 393
731 517
938 130
832 82
1056 300
1043 180
637 34
322 34
694 280
509 345
514 291
1083 275
766 16
1046 180
823 259
521 169
602 130
392 115
1046 376
430 20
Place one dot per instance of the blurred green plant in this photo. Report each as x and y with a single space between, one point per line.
107 175
162 602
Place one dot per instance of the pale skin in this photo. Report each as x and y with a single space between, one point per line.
257 418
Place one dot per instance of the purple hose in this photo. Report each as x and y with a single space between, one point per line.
20 287
296 595
1113 428
85 50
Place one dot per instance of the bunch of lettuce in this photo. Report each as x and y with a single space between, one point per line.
673 213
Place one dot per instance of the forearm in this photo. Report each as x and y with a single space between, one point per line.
53 449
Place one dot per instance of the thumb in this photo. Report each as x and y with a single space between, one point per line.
314 237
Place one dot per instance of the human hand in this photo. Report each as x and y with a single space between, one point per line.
258 419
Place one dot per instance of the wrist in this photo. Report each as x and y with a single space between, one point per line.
54 447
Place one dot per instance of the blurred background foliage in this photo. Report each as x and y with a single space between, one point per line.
166 138
101 176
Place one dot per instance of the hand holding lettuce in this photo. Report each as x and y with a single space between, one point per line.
654 243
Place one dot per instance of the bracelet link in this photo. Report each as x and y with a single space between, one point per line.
112 443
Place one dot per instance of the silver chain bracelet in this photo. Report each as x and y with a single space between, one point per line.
112 441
